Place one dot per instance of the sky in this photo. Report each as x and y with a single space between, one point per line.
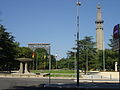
54 21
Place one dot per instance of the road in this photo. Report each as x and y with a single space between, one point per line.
10 83
37 83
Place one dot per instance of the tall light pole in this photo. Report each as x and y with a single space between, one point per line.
77 54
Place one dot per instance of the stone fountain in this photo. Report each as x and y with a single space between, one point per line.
24 65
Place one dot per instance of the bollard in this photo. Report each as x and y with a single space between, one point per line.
101 76
92 79
49 77
110 77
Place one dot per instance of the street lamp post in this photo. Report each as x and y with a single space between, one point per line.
77 54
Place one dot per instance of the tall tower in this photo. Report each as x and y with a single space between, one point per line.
99 30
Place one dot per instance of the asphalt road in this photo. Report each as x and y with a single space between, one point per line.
13 83
37 84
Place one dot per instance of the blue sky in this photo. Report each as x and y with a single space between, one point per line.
54 21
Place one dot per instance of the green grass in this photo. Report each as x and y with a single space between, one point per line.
61 75
52 71
57 73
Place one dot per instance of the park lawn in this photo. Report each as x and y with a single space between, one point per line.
57 73
53 75
53 71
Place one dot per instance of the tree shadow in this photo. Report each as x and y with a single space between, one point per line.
82 86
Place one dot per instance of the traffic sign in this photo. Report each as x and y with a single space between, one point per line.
116 34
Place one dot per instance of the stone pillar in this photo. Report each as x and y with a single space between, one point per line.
21 67
116 66
26 67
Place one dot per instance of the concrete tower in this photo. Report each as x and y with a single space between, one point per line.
99 30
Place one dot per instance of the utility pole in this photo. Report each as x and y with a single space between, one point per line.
104 60
86 60
49 63
77 54
103 57
49 58
56 55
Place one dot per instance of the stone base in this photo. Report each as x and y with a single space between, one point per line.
23 68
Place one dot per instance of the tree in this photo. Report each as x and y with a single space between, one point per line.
88 54
62 63
8 50
111 42
53 62
41 58
24 52
111 58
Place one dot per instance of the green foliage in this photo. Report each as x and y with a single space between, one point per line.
111 42
53 62
24 52
42 59
88 53
62 64
111 58
8 50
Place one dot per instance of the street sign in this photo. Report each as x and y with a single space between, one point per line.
116 34
116 43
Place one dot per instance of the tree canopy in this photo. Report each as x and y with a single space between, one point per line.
24 52
42 58
90 57
8 50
